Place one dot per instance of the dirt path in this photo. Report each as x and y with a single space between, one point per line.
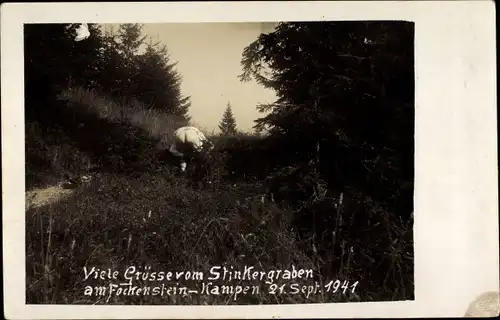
43 196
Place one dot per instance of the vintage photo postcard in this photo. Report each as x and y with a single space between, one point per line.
249 160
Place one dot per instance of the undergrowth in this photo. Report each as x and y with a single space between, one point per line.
237 208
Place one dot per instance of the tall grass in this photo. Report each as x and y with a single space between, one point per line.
157 124
152 216
50 154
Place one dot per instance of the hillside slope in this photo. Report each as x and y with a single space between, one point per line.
138 211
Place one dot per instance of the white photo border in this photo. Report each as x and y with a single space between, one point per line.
456 203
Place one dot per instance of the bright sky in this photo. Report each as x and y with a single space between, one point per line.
208 56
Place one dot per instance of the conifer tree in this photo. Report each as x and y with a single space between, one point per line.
347 87
228 122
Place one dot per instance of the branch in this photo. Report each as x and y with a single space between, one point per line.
347 55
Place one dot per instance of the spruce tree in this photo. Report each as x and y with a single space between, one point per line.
347 87
228 122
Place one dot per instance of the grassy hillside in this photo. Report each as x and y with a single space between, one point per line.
139 211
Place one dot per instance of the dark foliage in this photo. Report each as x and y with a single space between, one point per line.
109 63
346 97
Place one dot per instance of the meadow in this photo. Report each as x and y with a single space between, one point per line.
235 209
